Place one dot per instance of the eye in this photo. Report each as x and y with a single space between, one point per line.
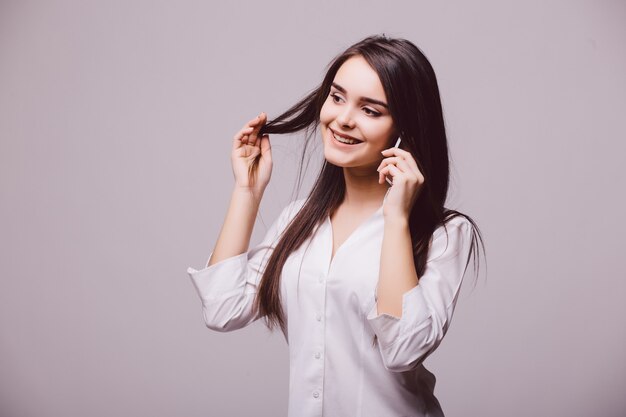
336 98
371 112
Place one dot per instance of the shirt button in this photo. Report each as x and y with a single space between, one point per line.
320 279
317 355
318 317
316 394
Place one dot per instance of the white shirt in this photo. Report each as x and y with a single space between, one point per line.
331 316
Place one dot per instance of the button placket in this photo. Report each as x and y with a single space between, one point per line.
318 348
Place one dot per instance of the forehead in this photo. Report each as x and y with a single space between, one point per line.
359 79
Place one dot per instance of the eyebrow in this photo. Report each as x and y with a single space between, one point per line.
367 99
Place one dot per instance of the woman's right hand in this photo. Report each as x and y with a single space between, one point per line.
252 157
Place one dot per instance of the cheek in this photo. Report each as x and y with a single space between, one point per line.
378 134
325 114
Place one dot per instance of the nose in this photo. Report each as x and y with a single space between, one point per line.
345 119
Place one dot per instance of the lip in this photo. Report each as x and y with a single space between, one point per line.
344 136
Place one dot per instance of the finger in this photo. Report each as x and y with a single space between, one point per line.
403 165
400 163
387 170
394 172
244 134
408 174
256 120
248 134
266 149
241 137
407 156
384 175
244 131
389 160
395 151
254 135
408 163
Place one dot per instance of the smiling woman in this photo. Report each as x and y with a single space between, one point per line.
356 113
361 278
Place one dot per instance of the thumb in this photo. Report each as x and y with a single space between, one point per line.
266 149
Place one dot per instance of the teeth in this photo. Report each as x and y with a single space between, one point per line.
344 140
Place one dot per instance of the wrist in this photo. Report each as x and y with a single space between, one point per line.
247 195
396 221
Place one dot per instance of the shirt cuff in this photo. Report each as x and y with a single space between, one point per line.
221 278
389 329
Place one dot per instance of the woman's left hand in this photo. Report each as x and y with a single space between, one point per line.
407 180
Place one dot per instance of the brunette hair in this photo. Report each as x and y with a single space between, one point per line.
412 92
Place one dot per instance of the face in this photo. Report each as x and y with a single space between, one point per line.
355 122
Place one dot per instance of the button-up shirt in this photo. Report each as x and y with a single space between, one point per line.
331 317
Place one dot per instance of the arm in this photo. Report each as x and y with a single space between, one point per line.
234 238
397 267
227 284
426 309
397 273
227 287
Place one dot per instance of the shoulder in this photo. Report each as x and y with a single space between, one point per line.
456 224
290 211
293 208
452 237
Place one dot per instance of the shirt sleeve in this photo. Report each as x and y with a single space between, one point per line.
427 308
228 287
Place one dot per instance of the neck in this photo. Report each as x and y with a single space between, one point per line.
362 188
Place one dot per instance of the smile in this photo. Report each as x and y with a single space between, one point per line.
347 140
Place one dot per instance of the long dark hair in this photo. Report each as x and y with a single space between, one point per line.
412 92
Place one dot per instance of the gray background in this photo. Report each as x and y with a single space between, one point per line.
116 120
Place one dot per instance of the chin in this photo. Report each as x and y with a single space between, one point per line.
333 159
342 160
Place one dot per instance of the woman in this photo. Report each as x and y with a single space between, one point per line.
361 276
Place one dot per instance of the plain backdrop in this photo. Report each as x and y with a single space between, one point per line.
116 119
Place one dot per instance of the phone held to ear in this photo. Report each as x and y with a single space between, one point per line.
395 146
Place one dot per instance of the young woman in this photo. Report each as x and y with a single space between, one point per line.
362 276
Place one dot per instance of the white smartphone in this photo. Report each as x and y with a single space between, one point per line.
395 146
